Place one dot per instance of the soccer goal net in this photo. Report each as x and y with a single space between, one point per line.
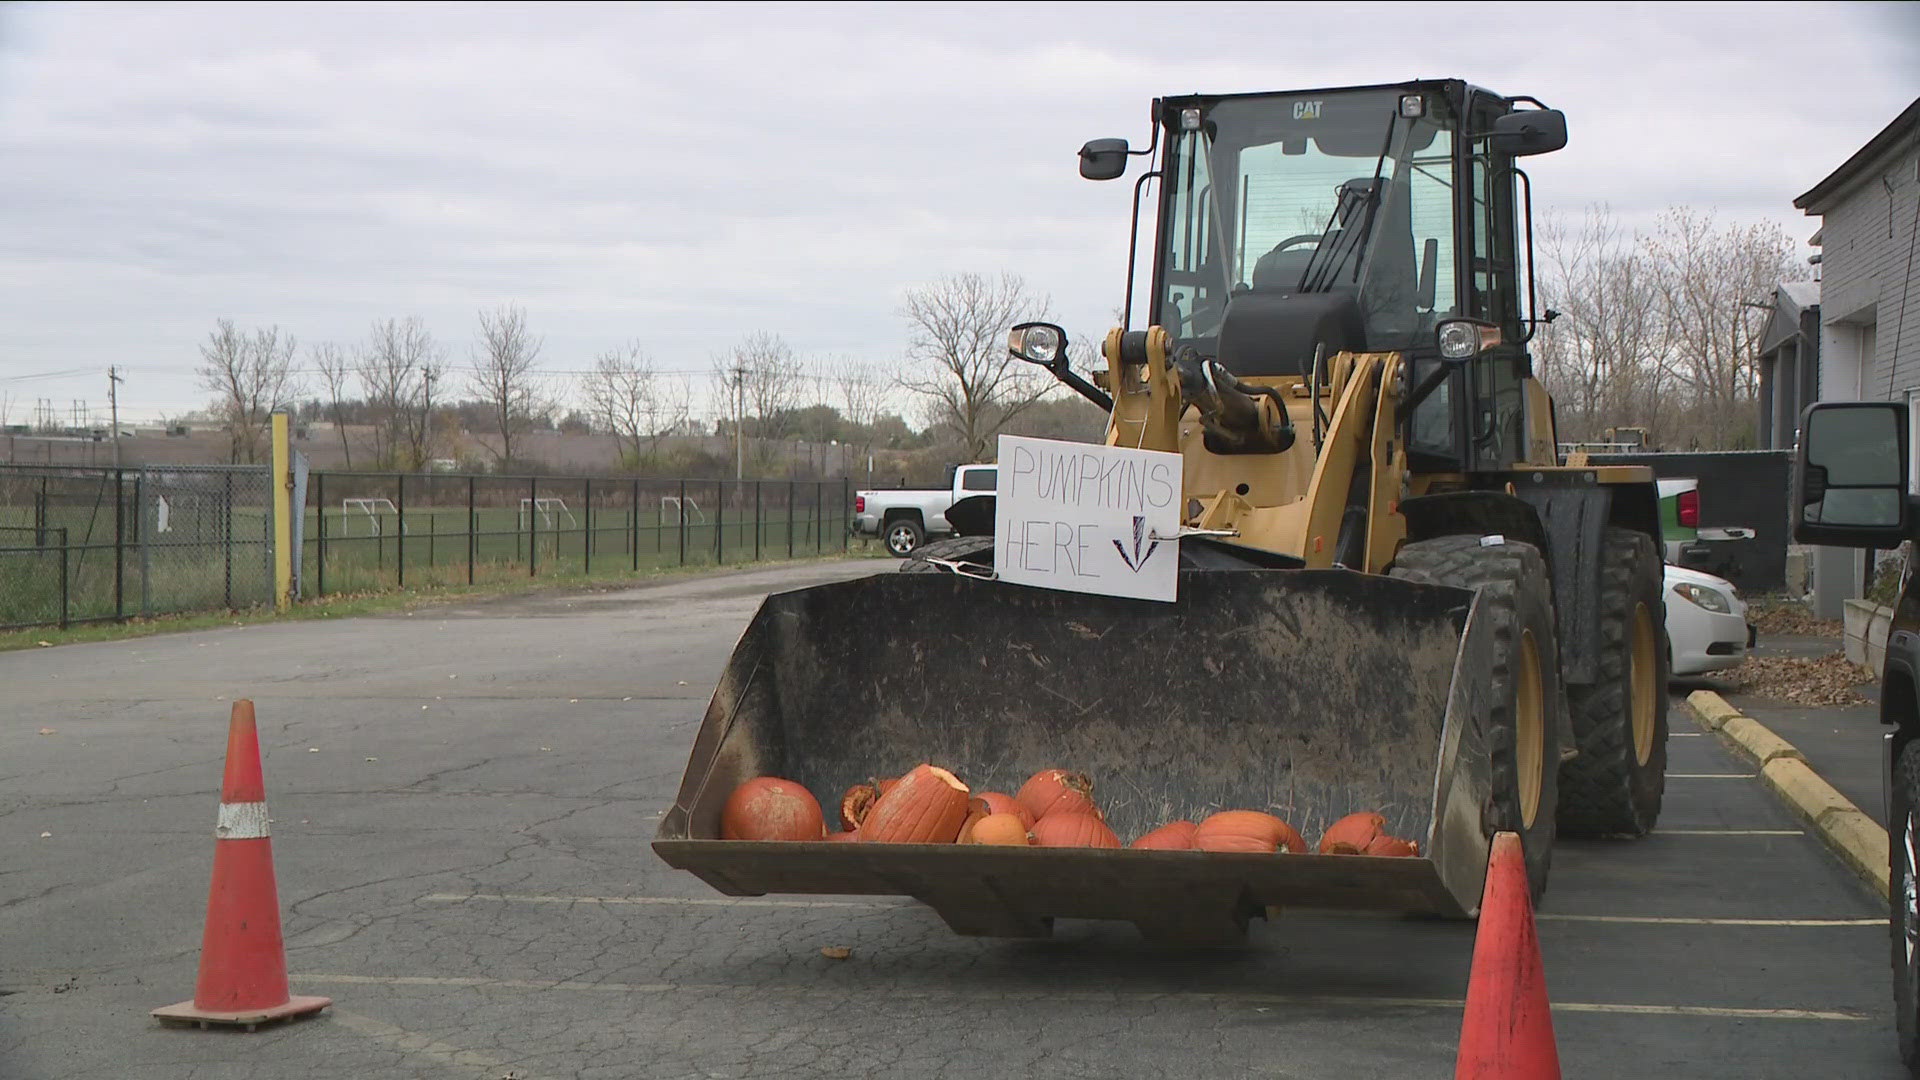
674 511
368 517
553 513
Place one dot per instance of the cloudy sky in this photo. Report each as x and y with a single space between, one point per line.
685 174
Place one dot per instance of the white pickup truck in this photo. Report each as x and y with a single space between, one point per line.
906 518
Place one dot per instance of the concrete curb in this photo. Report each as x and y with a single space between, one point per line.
1859 840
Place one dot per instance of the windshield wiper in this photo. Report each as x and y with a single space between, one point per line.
1317 275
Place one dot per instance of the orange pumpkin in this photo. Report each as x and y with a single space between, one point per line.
1174 836
1352 834
844 837
927 806
769 808
855 803
1393 846
1247 830
1073 830
1002 803
1056 791
976 809
1001 830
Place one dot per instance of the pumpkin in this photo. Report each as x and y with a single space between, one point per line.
1073 830
886 785
769 808
1393 847
1007 830
1174 836
1056 791
1001 803
1247 830
855 803
1352 833
844 837
976 809
927 806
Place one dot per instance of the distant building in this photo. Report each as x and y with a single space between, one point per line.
1789 362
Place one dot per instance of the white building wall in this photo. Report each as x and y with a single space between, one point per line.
1867 236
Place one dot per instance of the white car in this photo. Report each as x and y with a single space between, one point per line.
1707 626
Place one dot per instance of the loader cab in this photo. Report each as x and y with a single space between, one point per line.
1306 223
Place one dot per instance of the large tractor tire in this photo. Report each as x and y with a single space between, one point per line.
1613 788
1524 741
973 549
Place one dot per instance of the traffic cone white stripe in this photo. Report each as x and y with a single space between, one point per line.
242 821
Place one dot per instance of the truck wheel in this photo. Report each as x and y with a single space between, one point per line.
1904 914
973 549
1620 721
1523 743
902 536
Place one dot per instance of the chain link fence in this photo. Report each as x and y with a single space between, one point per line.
81 545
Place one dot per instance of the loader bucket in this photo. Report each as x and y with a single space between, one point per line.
1307 693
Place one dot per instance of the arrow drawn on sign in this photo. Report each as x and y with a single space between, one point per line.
1139 558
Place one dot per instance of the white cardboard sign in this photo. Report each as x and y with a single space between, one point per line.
1088 518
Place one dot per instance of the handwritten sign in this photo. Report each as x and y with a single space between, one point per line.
1086 518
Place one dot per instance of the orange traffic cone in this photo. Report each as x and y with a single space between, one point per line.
243 964
1507 1033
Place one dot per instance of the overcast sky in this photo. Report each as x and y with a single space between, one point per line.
683 175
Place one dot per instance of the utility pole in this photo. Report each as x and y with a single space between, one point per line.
739 408
113 408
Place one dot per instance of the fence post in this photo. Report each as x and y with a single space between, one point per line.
226 532
758 522
846 500
146 561
400 536
63 577
683 523
819 519
586 539
432 522
791 510
119 542
280 504
719 522
533 527
472 527
633 525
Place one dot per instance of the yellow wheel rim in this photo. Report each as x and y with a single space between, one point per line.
1641 678
1530 727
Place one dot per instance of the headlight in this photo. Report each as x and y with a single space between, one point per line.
1464 339
1039 344
1704 597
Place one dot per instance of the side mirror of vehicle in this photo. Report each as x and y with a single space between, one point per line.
1850 475
1103 159
1038 343
1528 132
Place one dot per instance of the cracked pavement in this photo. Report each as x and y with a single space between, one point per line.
462 804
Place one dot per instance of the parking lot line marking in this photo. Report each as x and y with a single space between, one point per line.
1664 920
1729 832
1000 993
671 901
412 1042
1711 775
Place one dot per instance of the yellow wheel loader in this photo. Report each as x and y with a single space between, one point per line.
1392 595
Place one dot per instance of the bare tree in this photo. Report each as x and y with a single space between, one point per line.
965 379
249 374
504 375
1602 357
398 366
859 395
330 360
635 403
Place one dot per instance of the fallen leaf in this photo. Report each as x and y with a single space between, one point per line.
547 748
46 731
573 701
423 708
836 952
46 836
373 759
44 644
313 749
683 682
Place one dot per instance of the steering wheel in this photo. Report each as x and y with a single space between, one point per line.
1296 241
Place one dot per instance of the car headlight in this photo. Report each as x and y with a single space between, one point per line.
1704 597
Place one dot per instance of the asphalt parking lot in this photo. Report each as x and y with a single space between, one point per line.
462 803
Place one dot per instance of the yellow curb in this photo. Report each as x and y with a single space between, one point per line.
1803 789
1756 741
1711 708
1862 843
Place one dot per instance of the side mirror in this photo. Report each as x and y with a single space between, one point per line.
1850 475
1103 159
1038 343
1531 131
